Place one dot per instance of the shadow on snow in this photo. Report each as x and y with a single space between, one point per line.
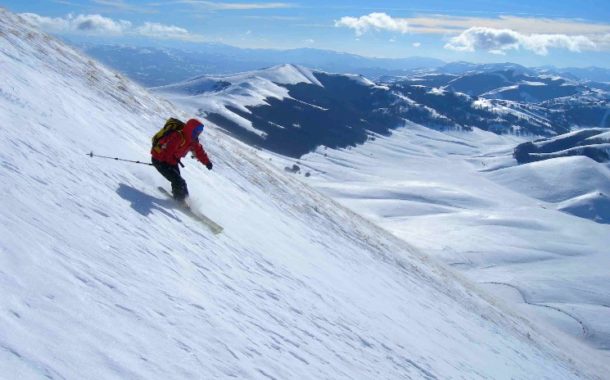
144 203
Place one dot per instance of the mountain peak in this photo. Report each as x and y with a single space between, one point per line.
289 74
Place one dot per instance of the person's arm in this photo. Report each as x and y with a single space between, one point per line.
201 155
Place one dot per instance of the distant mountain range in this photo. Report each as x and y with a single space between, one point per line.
152 66
291 110
594 74
159 66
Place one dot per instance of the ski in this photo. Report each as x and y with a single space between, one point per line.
212 225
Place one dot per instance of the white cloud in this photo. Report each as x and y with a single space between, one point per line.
602 41
96 24
169 32
100 25
493 34
310 41
498 41
444 24
540 43
86 24
47 23
416 44
375 21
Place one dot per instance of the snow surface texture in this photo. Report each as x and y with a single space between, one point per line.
102 277
460 197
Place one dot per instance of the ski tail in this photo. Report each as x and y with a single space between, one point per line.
196 214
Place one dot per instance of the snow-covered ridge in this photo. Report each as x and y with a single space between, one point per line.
590 142
221 94
280 74
102 277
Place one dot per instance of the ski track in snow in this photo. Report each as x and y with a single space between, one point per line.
102 277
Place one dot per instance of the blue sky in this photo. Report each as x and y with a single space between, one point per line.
562 33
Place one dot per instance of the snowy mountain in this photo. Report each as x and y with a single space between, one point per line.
594 74
462 68
290 109
558 100
101 276
314 108
512 101
507 84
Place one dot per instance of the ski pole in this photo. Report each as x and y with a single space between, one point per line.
118 159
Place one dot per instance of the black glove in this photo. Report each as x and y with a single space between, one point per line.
209 165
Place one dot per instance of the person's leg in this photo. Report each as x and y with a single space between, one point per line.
172 174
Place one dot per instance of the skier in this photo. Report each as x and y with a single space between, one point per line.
172 143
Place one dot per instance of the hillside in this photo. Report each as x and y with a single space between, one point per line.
593 143
102 277
461 197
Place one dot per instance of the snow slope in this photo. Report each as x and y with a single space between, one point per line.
460 197
238 91
102 277
557 179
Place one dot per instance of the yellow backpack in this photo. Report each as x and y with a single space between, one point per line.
171 125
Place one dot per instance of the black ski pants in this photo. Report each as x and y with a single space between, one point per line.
172 174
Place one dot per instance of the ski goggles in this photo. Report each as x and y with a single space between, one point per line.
197 131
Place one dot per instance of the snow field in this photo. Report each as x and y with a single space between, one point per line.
460 197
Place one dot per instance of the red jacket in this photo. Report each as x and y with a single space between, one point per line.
176 145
